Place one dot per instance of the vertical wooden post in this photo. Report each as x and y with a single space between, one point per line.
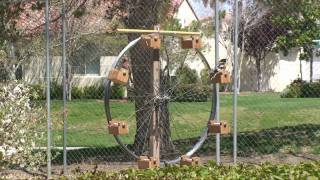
154 128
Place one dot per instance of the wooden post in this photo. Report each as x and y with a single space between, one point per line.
154 141
146 31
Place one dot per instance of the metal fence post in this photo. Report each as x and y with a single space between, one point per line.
48 74
217 9
235 80
64 61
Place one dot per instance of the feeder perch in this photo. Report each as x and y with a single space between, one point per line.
190 42
185 160
119 76
118 128
151 41
218 127
145 162
221 77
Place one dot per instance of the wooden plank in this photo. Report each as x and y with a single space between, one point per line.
154 128
144 31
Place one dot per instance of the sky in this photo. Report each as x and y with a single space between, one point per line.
201 10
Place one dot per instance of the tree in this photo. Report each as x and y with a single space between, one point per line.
145 14
259 41
251 13
21 26
20 32
301 21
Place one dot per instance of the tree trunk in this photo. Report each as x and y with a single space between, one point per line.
310 52
11 67
240 63
259 75
145 17
301 69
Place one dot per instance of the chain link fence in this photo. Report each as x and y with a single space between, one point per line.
277 79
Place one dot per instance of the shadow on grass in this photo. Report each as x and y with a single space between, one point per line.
263 142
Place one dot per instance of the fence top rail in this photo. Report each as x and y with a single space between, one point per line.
144 31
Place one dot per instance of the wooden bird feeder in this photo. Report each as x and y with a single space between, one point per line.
118 128
119 76
218 127
145 162
151 41
190 42
185 160
221 77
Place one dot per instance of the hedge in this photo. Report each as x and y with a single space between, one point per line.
191 93
301 89
89 92
212 171
182 93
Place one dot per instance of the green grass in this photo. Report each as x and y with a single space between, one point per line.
256 112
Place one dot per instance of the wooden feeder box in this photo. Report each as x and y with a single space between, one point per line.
221 78
152 41
119 76
191 42
145 162
218 127
185 160
118 128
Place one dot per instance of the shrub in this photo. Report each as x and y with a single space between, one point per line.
186 75
301 89
310 90
117 91
89 92
191 93
93 92
20 123
56 90
204 76
37 92
76 93
212 171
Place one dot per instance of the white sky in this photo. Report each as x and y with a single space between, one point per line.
203 11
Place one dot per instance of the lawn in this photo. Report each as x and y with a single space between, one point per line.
256 112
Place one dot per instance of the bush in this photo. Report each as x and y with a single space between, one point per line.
204 76
20 123
37 92
56 91
212 171
301 89
93 92
191 93
311 90
186 75
117 92
77 93
89 92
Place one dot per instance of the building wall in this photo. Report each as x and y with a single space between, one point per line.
278 71
34 71
185 14
89 80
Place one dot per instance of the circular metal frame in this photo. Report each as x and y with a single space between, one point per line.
204 134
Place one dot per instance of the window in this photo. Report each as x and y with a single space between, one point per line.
86 60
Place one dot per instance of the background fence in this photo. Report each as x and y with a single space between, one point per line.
278 105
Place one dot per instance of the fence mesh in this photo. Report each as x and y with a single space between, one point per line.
278 88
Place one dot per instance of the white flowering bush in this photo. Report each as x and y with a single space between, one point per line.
20 127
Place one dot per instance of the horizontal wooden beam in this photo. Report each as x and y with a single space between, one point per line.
173 33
